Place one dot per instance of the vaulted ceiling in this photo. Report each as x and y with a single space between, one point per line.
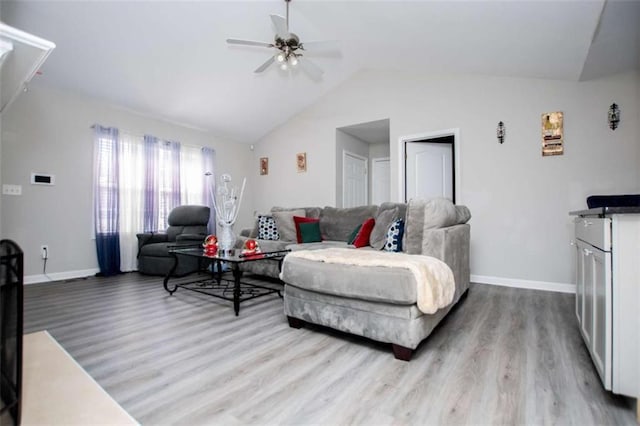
170 59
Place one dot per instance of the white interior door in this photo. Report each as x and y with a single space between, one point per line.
429 170
354 180
380 180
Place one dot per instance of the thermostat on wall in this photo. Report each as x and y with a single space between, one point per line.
42 179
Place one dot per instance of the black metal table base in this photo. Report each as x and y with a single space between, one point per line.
216 285
226 289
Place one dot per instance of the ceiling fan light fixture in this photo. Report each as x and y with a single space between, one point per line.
288 48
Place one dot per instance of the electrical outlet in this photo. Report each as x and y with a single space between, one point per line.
44 251
11 189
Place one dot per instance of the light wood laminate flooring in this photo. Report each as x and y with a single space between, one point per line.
503 356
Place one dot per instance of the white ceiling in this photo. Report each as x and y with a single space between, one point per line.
169 59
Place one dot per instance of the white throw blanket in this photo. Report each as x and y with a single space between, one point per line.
434 278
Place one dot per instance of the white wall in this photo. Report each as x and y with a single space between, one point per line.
48 131
519 200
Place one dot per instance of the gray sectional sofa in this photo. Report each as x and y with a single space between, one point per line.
377 302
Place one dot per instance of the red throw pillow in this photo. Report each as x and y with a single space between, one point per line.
298 220
362 239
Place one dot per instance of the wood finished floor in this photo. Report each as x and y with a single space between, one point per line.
504 356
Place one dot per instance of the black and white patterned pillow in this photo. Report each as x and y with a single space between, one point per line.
267 229
394 236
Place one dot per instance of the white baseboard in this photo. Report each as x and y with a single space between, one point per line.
57 276
517 283
480 279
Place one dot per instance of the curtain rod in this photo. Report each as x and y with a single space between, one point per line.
135 135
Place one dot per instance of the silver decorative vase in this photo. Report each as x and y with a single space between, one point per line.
226 239
226 201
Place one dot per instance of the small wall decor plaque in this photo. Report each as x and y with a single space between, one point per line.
301 161
552 133
613 116
264 165
501 132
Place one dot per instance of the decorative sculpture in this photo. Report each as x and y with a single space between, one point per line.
226 202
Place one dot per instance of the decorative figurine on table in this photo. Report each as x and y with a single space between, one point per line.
226 200
210 245
251 247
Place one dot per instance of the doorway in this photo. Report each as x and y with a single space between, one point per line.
431 165
354 190
380 180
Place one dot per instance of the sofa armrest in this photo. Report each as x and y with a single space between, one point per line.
151 238
451 245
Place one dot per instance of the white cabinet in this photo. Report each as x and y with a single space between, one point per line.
593 305
608 297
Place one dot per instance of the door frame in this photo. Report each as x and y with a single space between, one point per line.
423 137
373 172
366 171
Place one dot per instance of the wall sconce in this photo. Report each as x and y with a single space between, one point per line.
501 132
614 116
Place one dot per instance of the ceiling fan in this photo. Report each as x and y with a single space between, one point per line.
288 48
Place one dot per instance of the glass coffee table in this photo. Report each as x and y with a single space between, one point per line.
218 284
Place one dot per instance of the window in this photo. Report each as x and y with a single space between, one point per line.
138 181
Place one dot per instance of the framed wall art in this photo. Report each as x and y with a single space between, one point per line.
301 161
264 165
552 133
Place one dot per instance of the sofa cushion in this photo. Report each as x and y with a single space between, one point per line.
393 240
310 232
267 229
362 239
336 224
189 215
463 214
424 215
285 224
388 205
354 234
439 213
297 220
157 249
313 212
384 220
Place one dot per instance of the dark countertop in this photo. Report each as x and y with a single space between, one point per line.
605 211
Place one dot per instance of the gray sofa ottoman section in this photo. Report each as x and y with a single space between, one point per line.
397 286
373 303
403 326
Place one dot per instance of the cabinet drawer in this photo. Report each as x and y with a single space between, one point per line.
594 231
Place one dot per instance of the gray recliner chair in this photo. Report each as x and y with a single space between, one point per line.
188 226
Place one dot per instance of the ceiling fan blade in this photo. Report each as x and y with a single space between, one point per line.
249 42
320 45
265 65
314 71
281 26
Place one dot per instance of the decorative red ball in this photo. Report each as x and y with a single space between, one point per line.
250 245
